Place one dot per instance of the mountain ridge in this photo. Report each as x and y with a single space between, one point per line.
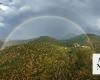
80 39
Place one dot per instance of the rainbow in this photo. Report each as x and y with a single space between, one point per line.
39 18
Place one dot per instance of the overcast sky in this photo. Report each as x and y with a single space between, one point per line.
85 13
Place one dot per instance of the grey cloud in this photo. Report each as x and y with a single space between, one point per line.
82 12
95 7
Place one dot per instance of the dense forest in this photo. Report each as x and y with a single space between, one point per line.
46 58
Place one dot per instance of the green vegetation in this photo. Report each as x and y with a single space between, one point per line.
0 43
46 58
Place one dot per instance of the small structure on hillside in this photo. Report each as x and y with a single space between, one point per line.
76 45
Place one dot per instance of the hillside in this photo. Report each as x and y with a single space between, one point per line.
28 61
1 43
44 59
94 40
81 39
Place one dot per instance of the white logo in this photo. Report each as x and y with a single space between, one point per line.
96 64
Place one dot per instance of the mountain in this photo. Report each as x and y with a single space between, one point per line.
39 39
45 58
69 36
81 39
92 40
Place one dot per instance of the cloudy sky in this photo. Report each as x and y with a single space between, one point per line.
85 13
